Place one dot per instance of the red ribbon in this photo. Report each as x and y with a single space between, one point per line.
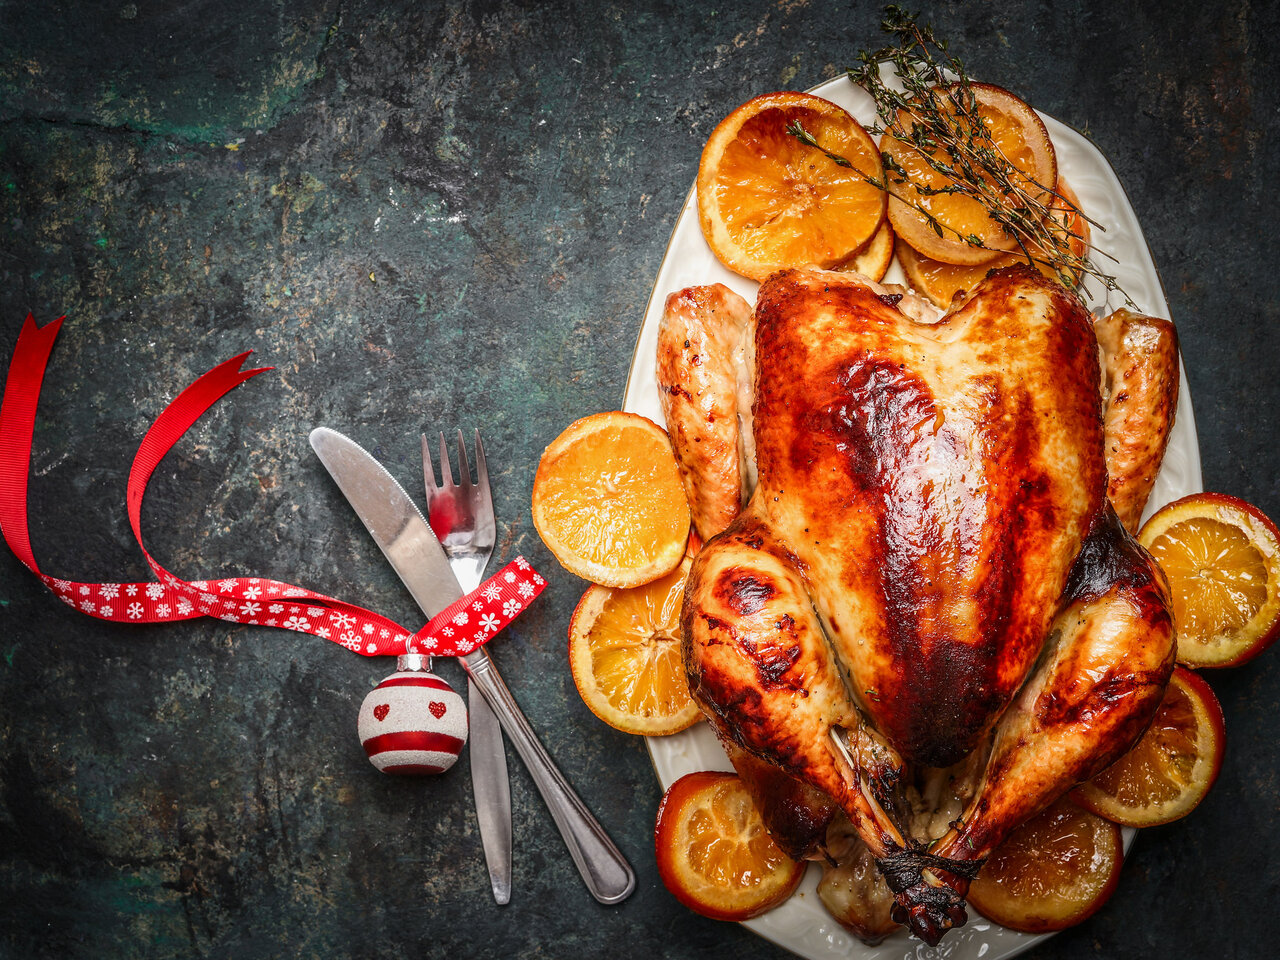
456 631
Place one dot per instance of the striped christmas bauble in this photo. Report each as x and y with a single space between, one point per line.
413 723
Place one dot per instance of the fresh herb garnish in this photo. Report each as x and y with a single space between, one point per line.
935 115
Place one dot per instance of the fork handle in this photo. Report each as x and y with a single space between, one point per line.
603 867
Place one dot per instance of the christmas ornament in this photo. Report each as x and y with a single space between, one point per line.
413 722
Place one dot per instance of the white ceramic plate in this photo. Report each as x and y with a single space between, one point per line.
802 924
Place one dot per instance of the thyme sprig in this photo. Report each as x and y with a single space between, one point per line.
935 115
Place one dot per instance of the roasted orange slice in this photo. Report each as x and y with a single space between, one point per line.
1170 770
714 853
1016 132
608 501
624 652
767 201
1070 224
1222 558
1052 872
873 260
940 281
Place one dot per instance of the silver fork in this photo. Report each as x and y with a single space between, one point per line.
461 515
603 868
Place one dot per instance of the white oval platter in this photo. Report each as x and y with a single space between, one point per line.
802 925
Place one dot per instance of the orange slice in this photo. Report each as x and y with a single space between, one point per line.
940 281
624 652
1170 770
608 501
1222 558
767 201
1070 224
714 853
873 260
1017 132
1052 872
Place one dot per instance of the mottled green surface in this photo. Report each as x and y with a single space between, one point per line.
429 216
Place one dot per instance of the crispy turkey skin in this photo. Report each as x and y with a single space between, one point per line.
929 562
935 481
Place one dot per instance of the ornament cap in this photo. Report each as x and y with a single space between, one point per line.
416 662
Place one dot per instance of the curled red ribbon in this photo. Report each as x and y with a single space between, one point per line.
468 623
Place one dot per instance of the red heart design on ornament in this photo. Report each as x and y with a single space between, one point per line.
437 709
381 710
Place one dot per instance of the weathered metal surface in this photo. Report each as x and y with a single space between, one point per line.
374 197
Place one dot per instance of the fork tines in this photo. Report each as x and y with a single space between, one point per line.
446 468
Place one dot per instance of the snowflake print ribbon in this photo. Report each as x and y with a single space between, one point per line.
456 631
471 621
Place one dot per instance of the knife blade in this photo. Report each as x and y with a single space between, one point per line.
491 787
409 545
392 519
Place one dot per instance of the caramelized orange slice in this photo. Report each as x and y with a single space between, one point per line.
624 652
608 501
1019 135
766 201
940 281
714 853
873 260
1222 558
1068 223
1052 872
1170 770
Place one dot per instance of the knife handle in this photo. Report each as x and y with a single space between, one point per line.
604 869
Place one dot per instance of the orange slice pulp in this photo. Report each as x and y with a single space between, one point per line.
608 501
1170 770
1013 129
940 281
766 201
873 260
1052 872
1222 558
714 853
624 652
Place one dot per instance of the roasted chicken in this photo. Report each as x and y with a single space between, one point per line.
929 571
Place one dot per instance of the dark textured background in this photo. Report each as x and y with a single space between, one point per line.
428 216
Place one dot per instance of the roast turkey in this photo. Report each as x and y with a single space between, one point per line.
912 558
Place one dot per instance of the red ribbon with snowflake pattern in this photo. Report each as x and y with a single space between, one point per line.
456 631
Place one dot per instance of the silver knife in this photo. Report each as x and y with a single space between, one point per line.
408 543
